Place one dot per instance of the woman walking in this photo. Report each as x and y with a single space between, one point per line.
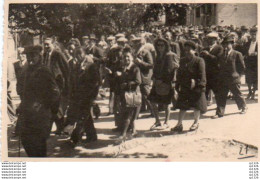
191 83
166 64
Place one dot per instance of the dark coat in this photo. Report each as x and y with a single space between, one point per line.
113 63
20 76
39 87
146 66
98 54
251 63
212 61
231 67
59 67
88 85
191 69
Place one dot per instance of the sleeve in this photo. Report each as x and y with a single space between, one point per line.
50 92
202 74
64 67
170 68
147 61
240 64
218 54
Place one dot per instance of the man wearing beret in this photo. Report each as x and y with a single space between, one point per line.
57 64
231 67
39 96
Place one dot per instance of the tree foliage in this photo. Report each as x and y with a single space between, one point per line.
74 20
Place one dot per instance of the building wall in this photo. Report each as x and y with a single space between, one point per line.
223 14
236 14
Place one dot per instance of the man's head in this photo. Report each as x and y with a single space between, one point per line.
92 39
71 48
48 44
228 42
253 33
33 54
189 47
85 40
212 38
168 35
21 54
111 40
121 41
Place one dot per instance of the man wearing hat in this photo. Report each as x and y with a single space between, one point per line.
212 56
251 56
122 42
39 96
85 42
231 67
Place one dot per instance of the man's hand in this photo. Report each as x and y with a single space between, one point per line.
137 60
118 73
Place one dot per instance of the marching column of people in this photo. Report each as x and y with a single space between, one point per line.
182 66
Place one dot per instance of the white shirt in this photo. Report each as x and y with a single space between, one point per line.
252 47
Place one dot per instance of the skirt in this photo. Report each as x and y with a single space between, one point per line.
160 99
190 99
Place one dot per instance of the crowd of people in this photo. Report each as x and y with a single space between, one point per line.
161 69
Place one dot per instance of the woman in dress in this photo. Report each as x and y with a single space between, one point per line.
166 64
191 83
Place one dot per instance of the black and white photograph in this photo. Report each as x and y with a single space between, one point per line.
130 82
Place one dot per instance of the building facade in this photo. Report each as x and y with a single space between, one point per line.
222 14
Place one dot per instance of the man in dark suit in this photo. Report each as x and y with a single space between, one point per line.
231 67
212 56
40 95
251 56
57 64
19 67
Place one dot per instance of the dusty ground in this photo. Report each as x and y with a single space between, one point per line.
222 139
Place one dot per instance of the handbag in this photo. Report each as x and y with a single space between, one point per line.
162 88
133 98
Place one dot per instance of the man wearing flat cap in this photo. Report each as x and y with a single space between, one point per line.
231 67
251 56
40 94
245 35
212 56
144 60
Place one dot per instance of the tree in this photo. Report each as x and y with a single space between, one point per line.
74 20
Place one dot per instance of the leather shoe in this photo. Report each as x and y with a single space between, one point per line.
244 110
216 116
178 128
